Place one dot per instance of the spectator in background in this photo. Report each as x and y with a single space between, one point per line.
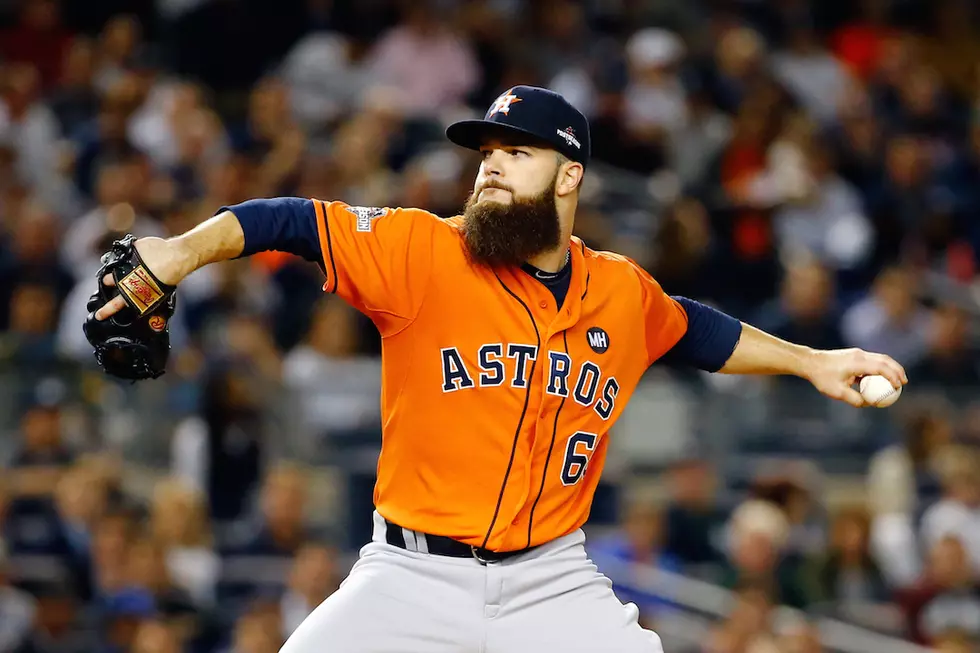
40 38
270 139
82 499
436 180
757 538
754 189
561 31
792 489
104 138
120 195
58 624
156 637
339 391
800 638
313 578
29 126
898 202
748 626
256 557
640 540
812 74
200 144
107 468
898 477
805 311
563 61
656 102
924 110
431 68
323 80
225 183
738 66
953 47
829 222
17 609
179 524
30 337
164 117
120 618
957 514
34 539
118 41
75 101
629 128
951 359
43 455
694 147
860 43
848 575
681 260
111 539
694 518
890 319
32 256
858 142
147 571
959 182
281 529
221 451
947 597
358 158
257 631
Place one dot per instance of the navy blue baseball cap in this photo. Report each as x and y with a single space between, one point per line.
532 113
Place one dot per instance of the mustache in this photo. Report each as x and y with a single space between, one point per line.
494 184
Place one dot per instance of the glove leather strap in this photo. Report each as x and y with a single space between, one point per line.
140 289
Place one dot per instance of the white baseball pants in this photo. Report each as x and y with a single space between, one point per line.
399 601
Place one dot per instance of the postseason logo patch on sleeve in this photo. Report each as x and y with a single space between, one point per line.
365 215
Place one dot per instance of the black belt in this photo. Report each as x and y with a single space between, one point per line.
445 546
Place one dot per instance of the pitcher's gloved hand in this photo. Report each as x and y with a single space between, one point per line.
134 342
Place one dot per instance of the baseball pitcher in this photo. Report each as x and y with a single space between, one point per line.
509 350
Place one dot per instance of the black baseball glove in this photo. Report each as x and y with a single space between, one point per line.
133 344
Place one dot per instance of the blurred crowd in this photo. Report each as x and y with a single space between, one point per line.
812 167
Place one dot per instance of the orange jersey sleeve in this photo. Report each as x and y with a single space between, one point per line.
665 320
378 259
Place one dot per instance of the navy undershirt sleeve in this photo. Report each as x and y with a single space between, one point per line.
710 339
283 224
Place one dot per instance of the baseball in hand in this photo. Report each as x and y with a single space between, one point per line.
878 391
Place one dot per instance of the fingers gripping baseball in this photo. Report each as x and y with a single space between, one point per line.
835 373
881 365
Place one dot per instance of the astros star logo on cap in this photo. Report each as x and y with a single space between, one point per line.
502 104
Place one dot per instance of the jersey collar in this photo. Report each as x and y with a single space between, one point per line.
578 287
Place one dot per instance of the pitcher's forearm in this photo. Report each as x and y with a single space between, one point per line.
758 352
219 238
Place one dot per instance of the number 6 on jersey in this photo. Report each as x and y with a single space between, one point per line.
577 457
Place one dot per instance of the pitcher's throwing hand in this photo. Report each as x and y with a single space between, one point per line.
835 373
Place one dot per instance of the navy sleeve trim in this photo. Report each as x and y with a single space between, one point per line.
710 339
284 224
321 210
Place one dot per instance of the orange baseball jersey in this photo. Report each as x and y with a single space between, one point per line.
496 404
